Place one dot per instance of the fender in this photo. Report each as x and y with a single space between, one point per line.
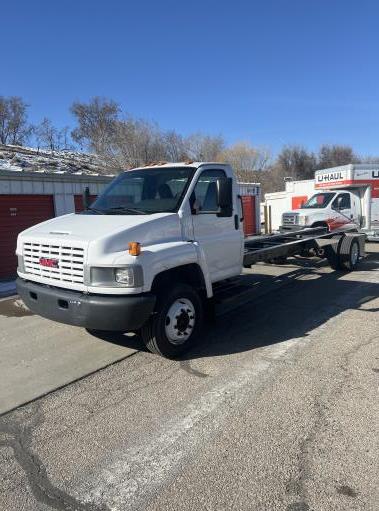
158 258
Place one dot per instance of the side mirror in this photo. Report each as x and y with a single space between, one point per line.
225 196
86 198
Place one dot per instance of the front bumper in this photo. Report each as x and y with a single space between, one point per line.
97 312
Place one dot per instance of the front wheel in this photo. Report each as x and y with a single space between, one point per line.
175 325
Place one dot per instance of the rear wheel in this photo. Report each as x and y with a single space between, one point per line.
176 323
332 254
343 253
349 254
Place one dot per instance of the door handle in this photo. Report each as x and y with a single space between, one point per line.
236 222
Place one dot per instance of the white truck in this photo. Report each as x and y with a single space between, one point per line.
152 253
348 198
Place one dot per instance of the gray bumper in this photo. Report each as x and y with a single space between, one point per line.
97 312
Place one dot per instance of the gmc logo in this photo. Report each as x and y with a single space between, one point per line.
49 263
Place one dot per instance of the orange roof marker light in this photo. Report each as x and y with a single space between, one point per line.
134 248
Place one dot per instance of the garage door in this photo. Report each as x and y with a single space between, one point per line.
18 212
249 215
78 200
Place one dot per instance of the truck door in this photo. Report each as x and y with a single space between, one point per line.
220 238
346 211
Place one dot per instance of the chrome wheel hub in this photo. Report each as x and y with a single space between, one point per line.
354 254
180 321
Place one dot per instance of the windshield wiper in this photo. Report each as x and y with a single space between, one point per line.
127 210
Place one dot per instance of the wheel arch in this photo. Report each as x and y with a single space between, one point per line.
321 223
190 274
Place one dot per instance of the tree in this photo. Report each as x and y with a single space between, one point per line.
49 137
134 142
175 147
245 159
14 127
64 138
46 135
201 147
335 155
96 123
296 162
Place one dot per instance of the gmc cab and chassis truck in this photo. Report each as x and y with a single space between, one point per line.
151 252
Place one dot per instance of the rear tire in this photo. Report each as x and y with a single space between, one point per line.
332 253
175 325
349 254
343 254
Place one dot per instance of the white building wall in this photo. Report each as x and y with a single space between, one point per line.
281 202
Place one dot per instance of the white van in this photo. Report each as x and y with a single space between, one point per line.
348 197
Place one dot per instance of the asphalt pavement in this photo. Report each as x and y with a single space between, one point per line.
276 409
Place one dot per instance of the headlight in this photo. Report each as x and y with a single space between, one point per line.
302 220
127 276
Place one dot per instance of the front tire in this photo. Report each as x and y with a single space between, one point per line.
176 323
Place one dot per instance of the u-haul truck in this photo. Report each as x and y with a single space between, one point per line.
346 197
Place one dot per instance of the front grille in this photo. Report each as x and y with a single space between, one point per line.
289 219
70 261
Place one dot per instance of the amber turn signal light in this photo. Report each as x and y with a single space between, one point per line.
134 248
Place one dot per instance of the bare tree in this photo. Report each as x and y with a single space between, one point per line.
14 128
296 162
133 143
64 141
96 123
204 147
175 148
245 159
335 155
46 135
49 137
3 120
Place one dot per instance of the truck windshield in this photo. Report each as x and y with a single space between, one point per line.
144 191
320 200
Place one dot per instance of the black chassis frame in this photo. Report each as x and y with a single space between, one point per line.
267 248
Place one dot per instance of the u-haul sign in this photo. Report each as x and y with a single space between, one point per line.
332 177
353 176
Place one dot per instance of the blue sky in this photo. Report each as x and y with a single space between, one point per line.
271 72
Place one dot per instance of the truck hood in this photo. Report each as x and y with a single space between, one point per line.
107 233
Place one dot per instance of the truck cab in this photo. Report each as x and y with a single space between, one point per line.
330 208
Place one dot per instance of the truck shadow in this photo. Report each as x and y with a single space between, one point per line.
307 300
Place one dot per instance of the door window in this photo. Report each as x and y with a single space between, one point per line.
205 192
342 201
